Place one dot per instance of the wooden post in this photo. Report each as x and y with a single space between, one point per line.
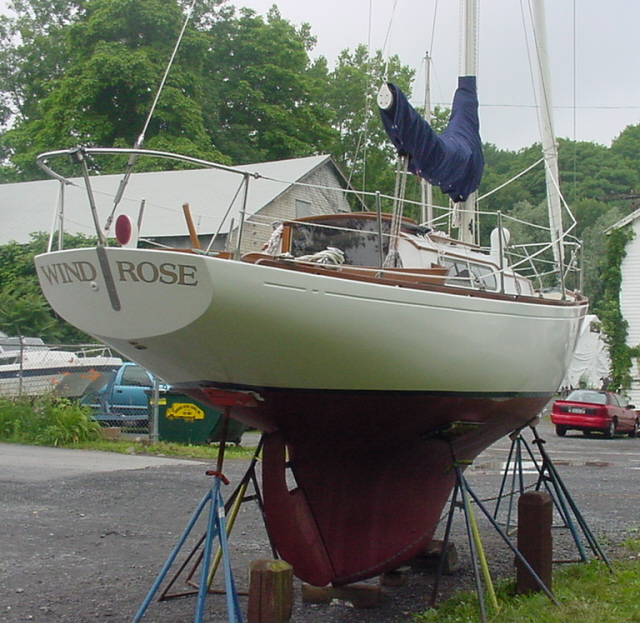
535 516
270 591
193 235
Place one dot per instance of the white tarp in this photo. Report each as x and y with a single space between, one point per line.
590 364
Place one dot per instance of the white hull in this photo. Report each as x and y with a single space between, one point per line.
192 319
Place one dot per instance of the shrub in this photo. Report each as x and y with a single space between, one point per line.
46 420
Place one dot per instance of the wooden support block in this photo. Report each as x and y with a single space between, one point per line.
270 591
429 559
360 596
397 577
535 516
316 594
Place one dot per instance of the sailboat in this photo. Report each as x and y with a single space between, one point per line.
372 351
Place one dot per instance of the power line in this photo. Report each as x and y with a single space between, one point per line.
533 106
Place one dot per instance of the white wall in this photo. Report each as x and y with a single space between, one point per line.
630 303
324 193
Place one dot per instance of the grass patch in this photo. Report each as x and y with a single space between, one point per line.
168 449
587 592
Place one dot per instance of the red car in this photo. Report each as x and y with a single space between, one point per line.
593 410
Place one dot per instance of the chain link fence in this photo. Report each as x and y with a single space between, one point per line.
29 367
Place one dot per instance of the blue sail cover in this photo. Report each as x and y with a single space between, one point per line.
452 160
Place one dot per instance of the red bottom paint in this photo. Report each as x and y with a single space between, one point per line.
370 472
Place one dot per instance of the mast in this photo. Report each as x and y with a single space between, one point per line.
426 188
469 63
549 146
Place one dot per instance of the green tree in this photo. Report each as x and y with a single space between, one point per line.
33 52
595 243
627 143
588 170
615 327
116 53
241 89
504 167
23 308
24 311
360 145
262 90
32 55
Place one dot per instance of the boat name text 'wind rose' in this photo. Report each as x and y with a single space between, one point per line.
147 272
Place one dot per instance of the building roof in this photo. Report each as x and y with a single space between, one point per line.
29 207
624 221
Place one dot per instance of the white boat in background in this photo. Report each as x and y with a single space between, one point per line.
29 367
371 350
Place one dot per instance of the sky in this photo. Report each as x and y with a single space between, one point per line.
594 57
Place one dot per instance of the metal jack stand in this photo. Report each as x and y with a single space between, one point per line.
549 477
232 507
216 528
475 545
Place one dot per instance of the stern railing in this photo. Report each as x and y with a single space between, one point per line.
530 253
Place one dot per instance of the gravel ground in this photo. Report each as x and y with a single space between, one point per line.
79 547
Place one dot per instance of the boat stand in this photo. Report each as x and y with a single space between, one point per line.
548 476
216 528
478 559
232 507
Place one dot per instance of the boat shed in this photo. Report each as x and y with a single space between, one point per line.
630 295
277 190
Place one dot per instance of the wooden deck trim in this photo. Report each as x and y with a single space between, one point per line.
433 281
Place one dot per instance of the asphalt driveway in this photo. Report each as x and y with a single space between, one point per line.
84 534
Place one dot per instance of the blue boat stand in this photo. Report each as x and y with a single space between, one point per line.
216 528
547 474
549 477
187 571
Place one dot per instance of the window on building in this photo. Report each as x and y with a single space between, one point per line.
303 208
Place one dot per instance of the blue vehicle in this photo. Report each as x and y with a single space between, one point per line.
124 399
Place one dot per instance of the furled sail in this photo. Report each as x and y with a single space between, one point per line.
452 160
